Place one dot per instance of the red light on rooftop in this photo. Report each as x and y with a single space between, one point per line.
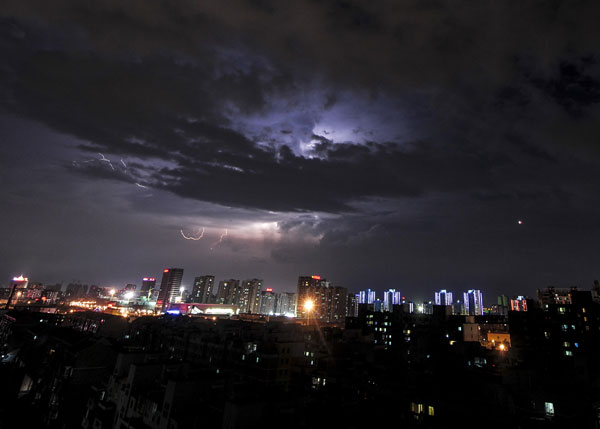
316 277
166 270
269 289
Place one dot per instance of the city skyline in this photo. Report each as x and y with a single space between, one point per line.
413 146
428 295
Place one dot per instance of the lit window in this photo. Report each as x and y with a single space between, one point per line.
568 353
566 344
549 407
430 411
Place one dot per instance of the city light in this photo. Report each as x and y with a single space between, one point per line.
308 305
112 292
129 295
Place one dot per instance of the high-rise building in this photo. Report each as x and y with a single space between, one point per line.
286 304
518 304
391 297
148 286
352 305
336 304
169 287
228 292
249 300
202 289
329 303
443 297
306 291
473 302
268 301
367 296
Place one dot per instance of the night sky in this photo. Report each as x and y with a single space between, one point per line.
379 144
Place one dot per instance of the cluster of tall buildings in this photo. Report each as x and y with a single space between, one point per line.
319 299
315 297
471 304
247 295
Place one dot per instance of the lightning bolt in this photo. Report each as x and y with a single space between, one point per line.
140 186
123 162
220 240
192 238
105 159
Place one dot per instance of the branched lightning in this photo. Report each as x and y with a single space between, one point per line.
220 240
105 159
140 185
192 238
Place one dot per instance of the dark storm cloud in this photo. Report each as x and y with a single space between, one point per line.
403 125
